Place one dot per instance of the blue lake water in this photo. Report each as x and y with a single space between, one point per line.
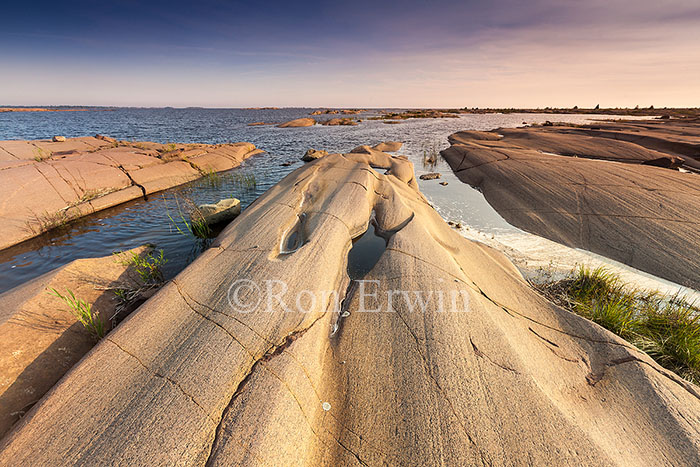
138 222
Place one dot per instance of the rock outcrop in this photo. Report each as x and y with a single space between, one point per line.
299 122
40 338
644 216
640 141
313 154
223 211
388 146
459 361
339 122
45 184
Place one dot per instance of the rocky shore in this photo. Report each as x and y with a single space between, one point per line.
625 190
40 339
205 373
44 183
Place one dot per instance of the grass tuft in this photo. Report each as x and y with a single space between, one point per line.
195 227
82 310
666 327
150 277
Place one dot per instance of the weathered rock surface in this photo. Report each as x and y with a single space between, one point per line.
299 122
40 339
223 211
313 154
644 216
501 376
430 176
628 141
44 183
339 121
388 146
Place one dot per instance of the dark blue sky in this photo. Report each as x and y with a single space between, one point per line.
362 53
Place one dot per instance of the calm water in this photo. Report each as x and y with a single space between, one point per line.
138 222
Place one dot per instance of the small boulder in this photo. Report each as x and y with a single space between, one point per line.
443 183
59 139
430 176
388 146
299 122
313 154
223 211
548 123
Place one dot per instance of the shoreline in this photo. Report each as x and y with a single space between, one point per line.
387 371
47 184
614 189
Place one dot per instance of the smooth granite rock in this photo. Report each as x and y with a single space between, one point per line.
313 154
644 216
481 370
388 146
40 338
44 183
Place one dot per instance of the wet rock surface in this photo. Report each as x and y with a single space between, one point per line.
497 376
595 187
44 184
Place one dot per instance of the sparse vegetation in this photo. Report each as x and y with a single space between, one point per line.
169 147
211 179
236 179
83 312
430 156
47 221
39 154
667 328
196 226
89 195
245 180
148 268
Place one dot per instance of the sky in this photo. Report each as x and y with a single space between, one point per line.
409 53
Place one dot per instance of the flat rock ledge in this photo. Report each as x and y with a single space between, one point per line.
40 339
590 187
209 372
44 184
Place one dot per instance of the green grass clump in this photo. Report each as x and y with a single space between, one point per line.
244 180
211 179
147 266
666 327
196 226
83 312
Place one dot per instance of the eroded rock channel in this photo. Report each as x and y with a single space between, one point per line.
480 371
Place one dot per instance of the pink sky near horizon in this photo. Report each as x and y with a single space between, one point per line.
647 53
